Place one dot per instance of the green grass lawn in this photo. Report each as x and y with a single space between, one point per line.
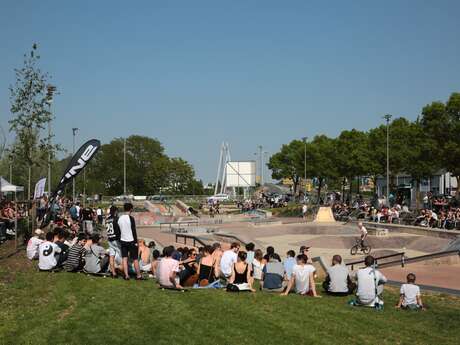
66 308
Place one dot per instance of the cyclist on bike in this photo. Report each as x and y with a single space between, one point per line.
363 232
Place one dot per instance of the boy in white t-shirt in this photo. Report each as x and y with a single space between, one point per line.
303 278
410 297
47 252
33 244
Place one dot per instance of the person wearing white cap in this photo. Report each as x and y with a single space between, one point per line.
32 245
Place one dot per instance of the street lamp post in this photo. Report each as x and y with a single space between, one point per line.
74 131
387 117
50 89
304 139
124 166
261 165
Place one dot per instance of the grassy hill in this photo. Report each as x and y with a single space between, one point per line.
66 308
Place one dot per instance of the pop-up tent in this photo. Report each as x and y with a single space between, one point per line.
7 187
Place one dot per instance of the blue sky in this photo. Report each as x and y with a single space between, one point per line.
195 73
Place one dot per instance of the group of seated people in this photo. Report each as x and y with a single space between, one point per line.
206 267
238 270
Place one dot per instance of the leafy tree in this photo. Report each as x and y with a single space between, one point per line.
29 106
320 157
441 122
289 163
352 156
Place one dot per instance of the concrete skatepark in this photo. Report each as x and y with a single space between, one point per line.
325 237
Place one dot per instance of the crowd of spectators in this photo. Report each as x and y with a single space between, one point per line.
210 266
437 212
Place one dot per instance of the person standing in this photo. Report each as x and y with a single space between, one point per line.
113 238
304 211
128 240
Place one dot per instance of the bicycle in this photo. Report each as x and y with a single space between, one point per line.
365 249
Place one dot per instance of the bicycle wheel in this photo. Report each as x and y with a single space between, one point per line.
354 250
367 249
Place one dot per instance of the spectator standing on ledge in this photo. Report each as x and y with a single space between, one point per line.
128 240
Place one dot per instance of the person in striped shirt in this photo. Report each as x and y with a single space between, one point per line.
75 259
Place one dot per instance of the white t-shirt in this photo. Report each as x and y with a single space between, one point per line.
32 247
363 230
410 293
257 268
99 212
46 255
301 275
126 233
304 209
78 210
227 261
366 284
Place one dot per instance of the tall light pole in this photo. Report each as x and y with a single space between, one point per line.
304 139
387 117
124 166
261 163
74 131
50 89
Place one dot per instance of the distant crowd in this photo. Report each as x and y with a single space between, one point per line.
436 213
210 266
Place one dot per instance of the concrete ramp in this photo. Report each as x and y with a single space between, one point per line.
324 215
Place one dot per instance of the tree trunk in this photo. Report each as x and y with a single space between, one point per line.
417 194
343 189
350 191
359 185
28 183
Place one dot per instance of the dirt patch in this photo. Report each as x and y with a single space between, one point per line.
12 261
72 301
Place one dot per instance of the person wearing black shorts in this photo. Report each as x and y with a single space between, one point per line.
128 241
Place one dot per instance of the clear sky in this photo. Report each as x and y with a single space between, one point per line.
195 73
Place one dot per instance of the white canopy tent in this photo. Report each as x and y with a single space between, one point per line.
7 187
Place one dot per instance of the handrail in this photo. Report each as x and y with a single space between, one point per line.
352 264
194 238
421 258
188 223
230 236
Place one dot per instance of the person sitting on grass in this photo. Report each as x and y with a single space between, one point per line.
269 253
410 297
228 259
60 236
155 262
168 269
206 271
289 263
370 284
338 281
250 252
188 276
96 259
75 261
257 266
273 274
302 278
47 253
242 274
145 259
33 244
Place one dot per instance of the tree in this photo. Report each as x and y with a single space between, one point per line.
441 122
29 106
352 157
320 159
288 163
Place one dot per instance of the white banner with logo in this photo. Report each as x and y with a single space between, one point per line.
40 188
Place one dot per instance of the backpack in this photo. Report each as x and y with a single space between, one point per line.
232 288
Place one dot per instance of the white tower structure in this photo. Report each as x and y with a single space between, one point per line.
222 168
